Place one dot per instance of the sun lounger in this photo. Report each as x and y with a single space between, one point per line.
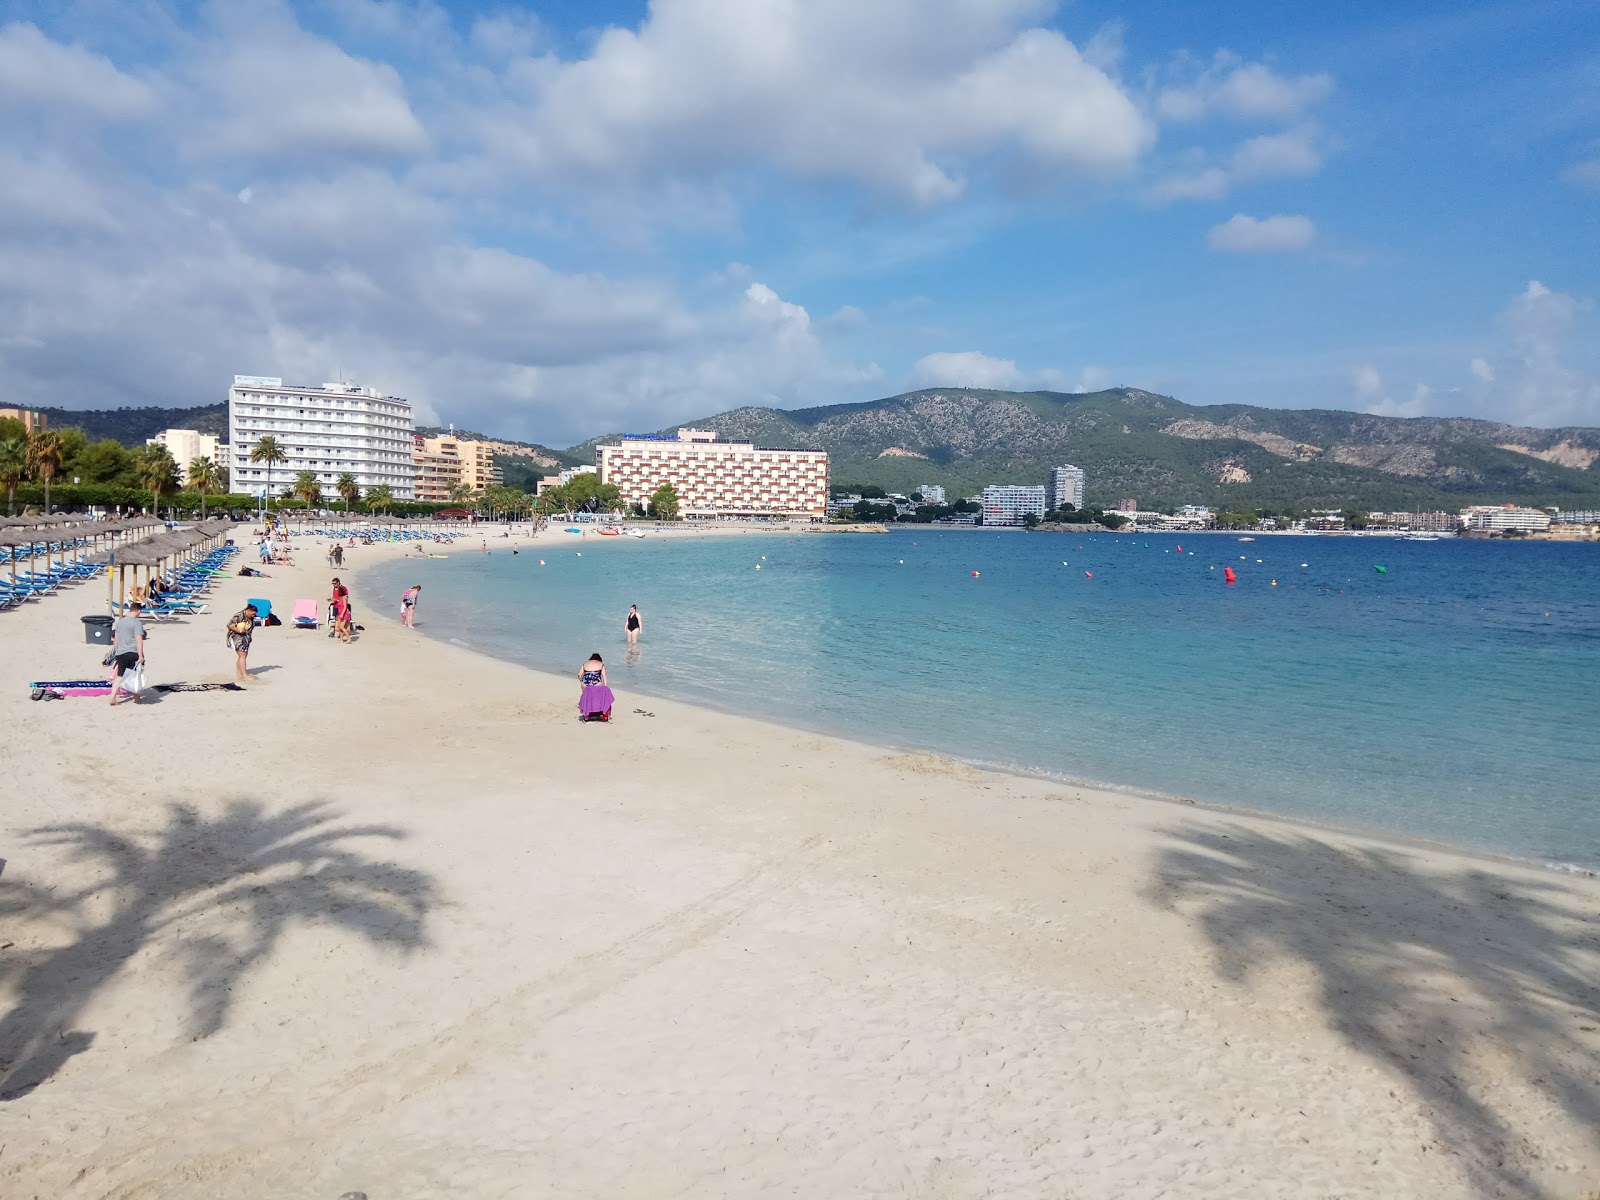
305 614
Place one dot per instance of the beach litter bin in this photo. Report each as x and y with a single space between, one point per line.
97 630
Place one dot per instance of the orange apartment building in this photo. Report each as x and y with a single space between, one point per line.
718 479
444 462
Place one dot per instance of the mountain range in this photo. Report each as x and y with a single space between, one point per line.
1130 443
1134 444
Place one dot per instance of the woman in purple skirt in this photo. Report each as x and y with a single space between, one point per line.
596 701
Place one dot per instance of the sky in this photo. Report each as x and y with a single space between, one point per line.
554 220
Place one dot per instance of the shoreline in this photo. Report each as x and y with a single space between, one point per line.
1397 838
430 935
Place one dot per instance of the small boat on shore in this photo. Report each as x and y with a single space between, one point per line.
611 533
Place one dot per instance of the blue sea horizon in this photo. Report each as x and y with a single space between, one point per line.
1449 697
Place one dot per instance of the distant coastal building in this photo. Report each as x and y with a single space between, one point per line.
328 430
1010 504
1579 517
931 493
32 419
1127 506
1505 517
1066 487
186 445
446 462
718 479
1417 522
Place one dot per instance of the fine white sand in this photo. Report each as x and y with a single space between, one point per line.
391 920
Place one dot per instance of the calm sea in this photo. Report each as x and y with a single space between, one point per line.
1452 695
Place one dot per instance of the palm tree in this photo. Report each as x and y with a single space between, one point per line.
307 488
347 487
379 497
46 449
269 452
460 492
157 472
204 476
13 468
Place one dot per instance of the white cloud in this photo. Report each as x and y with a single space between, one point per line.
1541 369
267 89
39 73
1584 174
1242 234
966 368
1276 155
1251 91
899 96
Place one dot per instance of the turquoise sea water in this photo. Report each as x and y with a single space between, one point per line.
1437 698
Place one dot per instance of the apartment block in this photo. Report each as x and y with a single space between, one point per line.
330 430
718 479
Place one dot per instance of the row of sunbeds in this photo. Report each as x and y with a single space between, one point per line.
181 588
41 578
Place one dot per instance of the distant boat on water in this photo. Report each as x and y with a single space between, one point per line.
1247 539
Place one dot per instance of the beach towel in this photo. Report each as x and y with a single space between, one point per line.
596 698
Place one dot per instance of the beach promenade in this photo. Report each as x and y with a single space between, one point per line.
391 920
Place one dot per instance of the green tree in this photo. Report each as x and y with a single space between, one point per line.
267 451
157 472
307 488
46 451
13 468
664 503
348 488
1113 520
105 461
551 501
585 493
461 493
204 477
379 497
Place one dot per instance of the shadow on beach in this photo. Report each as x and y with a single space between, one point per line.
1427 972
220 891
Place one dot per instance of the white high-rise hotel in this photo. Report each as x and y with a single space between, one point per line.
326 430
1066 487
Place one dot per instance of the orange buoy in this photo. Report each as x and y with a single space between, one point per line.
1228 575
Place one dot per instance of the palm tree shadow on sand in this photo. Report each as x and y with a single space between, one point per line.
1425 971
220 890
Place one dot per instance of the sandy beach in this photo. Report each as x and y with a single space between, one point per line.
391 920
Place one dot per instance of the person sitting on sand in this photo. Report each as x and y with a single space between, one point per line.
241 628
596 700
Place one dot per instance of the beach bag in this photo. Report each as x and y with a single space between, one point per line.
133 681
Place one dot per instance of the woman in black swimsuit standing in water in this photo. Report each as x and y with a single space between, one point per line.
635 625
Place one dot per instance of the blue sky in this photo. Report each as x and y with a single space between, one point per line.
554 220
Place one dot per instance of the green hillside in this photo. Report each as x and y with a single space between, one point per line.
1162 452
135 426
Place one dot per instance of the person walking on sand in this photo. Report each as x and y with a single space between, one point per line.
127 650
340 603
634 625
241 628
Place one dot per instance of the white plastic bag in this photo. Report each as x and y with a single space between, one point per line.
133 681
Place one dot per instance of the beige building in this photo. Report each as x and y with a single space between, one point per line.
718 479
186 445
32 420
444 462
